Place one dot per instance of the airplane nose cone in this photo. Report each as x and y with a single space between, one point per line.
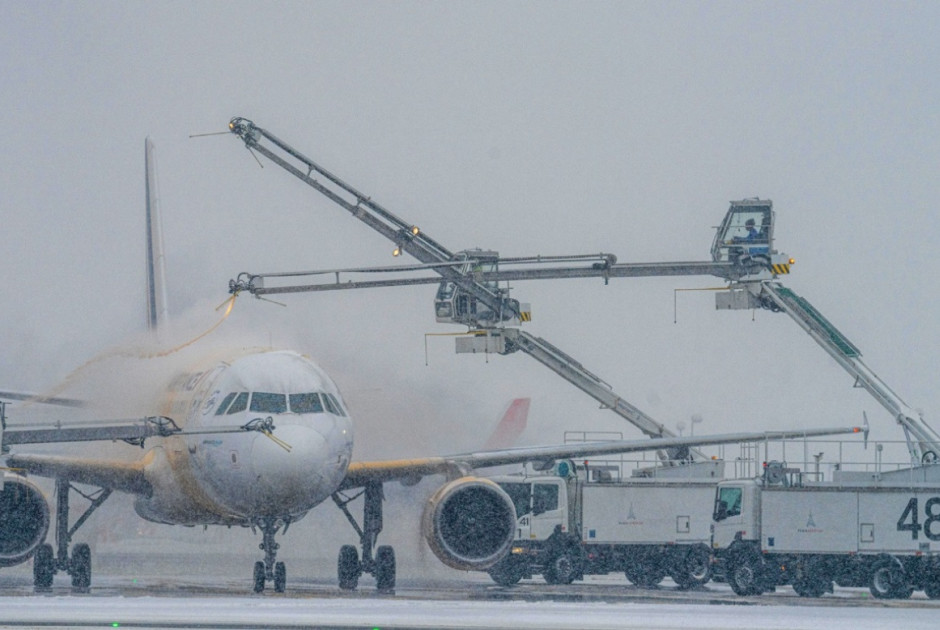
290 468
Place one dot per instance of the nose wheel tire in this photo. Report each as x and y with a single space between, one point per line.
81 566
43 566
385 568
280 577
259 577
348 568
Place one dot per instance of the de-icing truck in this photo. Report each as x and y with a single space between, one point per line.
573 522
882 532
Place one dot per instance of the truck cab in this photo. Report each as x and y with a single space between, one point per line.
736 515
541 504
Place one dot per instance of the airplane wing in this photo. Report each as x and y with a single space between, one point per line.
40 398
411 470
116 475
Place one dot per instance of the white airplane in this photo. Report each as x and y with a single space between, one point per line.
264 438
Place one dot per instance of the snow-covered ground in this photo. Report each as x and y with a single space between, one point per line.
385 613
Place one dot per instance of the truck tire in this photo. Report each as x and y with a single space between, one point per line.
811 577
932 587
745 573
507 572
645 573
889 581
563 568
691 567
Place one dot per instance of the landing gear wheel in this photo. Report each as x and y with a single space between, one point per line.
347 568
507 572
280 577
385 568
745 574
693 568
259 577
43 566
81 566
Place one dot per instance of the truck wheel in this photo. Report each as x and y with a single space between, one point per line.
507 572
745 573
562 569
932 587
811 578
692 567
645 573
888 580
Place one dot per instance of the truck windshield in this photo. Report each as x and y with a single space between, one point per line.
728 502
519 493
544 498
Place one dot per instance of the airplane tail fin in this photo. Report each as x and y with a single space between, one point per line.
156 271
511 426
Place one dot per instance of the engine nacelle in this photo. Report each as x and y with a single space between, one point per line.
469 523
24 519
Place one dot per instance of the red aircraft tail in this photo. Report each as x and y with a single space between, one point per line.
510 427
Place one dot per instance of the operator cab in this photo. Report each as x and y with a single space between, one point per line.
454 305
746 232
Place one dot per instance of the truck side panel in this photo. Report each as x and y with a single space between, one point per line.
899 521
646 514
800 520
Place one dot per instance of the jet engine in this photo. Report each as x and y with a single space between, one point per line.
469 523
24 519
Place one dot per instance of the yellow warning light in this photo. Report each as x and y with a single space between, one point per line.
396 251
414 230
793 261
231 125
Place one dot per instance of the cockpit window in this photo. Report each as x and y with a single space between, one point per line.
240 403
333 405
306 403
265 402
224 404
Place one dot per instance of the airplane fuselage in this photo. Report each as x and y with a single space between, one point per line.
216 473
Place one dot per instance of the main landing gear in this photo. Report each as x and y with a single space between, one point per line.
47 562
270 570
349 567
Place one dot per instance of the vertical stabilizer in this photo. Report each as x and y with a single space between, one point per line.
156 270
510 427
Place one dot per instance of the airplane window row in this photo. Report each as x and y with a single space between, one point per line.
266 402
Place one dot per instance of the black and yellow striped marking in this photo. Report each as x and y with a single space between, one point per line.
781 268
525 316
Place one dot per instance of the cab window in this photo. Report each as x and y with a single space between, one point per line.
239 404
264 402
544 498
224 404
306 403
519 493
728 502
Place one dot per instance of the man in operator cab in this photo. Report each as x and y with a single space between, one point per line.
752 233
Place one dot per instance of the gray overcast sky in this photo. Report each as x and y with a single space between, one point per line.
526 127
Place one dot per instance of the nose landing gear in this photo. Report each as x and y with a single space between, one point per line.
270 570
